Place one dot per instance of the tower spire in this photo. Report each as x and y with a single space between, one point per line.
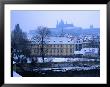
57 24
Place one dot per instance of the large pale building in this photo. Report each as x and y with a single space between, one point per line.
56 46
66 47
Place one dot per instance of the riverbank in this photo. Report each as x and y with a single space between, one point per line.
69 73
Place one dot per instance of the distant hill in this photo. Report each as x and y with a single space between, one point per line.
77 31
69 28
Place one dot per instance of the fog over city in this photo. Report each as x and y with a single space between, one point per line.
32 19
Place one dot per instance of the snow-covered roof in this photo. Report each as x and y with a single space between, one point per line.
78 52
87 50
78 41
60 40
90 49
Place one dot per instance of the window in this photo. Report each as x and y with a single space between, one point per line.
61 50
47 50
70 46
54 50
61 45
50 50
35 50
67 46
66 50
50 45
57 50
71 51
80 46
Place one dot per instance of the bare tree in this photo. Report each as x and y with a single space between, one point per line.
40 37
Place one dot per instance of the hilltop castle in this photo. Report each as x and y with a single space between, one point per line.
61 24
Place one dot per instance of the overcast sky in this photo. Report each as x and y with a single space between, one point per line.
29 20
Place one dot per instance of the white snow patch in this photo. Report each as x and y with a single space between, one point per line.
16 74
39 59
64 69
14 62
52 59
28 60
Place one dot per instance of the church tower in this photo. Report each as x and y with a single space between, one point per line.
57 25
91 26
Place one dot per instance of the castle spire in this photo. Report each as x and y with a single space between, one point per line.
57 22
91 26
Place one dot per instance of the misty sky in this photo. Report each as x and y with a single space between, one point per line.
29 20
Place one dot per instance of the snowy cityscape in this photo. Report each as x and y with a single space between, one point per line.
65 50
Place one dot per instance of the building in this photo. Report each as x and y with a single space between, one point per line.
88 52
87 46
66 47
56 47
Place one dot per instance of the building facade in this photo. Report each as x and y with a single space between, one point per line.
55 47
67 47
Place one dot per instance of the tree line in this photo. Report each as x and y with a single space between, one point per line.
20 44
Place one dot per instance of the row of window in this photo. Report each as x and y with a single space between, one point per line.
54 50
56 45
59 41
60 45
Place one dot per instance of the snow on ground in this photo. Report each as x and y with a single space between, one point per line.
81 59
14 62
65 59
28 60
16 74
64 69
59 59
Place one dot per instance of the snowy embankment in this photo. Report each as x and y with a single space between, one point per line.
64 69
65 59
16 74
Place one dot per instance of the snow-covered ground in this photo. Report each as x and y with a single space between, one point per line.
55 59
66 59
64 69
16 74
